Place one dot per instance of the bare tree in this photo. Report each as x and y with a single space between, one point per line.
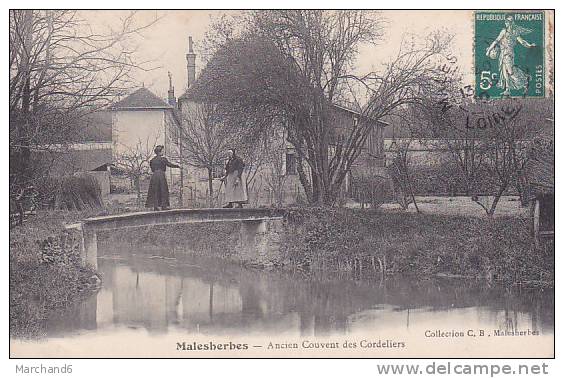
204 139
400 172
489 142
275 176
321 47
223 28
506 148
134 163
297 64
448 131
408 80
60 69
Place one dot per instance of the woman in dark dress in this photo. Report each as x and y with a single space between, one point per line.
235 188
158 197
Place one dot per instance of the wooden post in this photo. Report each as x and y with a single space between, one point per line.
180 194
535 213
109 170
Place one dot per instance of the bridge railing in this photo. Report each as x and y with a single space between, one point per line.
175 216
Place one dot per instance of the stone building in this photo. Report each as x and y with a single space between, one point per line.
261 191
140 122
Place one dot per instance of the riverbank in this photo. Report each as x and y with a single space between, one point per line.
497 250
46 273
371 242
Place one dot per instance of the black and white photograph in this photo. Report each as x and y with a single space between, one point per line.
281 183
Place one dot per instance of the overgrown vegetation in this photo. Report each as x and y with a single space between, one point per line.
371 190
46 273
492 249
70 193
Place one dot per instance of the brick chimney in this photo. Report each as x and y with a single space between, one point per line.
191 63
171 98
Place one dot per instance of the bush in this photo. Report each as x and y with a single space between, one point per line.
446 178
371 190
440 179
494 249
401 184
71 193
46 272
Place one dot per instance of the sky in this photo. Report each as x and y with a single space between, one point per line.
166 42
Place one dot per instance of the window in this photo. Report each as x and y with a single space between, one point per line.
291 164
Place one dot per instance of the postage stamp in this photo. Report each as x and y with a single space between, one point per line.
509 54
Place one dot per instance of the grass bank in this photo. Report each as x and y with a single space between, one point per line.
46 273
499 249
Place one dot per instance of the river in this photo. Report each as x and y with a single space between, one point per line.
149 302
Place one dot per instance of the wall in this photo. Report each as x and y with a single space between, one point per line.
343 122
131 127
426 152
148 127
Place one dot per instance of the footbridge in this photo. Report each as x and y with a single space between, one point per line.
254 222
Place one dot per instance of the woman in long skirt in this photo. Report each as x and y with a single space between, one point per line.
158 196
235 188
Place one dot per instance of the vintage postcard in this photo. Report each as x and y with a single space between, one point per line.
281 183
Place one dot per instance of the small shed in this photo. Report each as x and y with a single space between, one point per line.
103 177
540 174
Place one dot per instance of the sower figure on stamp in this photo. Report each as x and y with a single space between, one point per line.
235 188
503 49
158 196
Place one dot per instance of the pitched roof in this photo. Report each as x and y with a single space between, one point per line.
191 95
89 159
349 109
68 162
141 99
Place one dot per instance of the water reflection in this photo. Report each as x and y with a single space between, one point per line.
195 295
